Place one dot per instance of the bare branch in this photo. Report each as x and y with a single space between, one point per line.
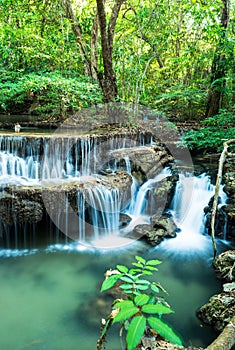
217 186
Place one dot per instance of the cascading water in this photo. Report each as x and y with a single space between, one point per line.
192 195
40 274
71 158
104 211
138 208
24 158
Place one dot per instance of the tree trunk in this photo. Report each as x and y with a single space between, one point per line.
81 42
94 45
107 80
219 66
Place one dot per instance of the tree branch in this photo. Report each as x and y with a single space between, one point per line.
77 30
217 186
226 339
112 22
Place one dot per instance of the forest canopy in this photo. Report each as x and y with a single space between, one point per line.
174 56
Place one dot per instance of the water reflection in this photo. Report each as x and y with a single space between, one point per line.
43 296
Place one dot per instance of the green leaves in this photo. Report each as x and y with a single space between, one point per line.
122 268
125 313
156 309
139 307
153 262
109 282
212 135
54 93
141 299
164 330
135 331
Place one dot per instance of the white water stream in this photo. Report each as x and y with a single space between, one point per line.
43 290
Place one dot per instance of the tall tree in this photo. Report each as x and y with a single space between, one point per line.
89 51
220 65
107 79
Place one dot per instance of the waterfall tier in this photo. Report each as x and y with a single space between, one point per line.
59 180
25 158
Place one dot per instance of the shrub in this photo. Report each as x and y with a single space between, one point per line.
141 306
46 93
214 132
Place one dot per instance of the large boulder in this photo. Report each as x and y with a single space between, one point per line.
145 162
220 309
154 233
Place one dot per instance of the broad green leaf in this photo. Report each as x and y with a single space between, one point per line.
122 268
141 286
139 281
156 309
134 271
126 286
125 313
153 262
109 282
128 291
151 268
127 279
164 330
139 259
154 288
137 264
135 331
123 304
141 299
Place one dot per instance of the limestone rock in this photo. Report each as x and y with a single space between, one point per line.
154 233
224 265
219 310
165 223
146 162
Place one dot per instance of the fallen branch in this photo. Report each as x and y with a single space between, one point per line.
217 186
226 339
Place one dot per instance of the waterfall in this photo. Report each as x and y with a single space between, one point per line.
138 208
104 210
192 195
27 161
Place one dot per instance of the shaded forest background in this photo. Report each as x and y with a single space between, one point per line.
175 56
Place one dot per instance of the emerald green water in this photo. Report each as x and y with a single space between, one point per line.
43 297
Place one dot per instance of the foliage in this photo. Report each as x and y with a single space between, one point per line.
46 93
141 305
214 132
162 52
187 102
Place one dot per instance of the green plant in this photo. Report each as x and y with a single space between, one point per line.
141 306
214 132
46 93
